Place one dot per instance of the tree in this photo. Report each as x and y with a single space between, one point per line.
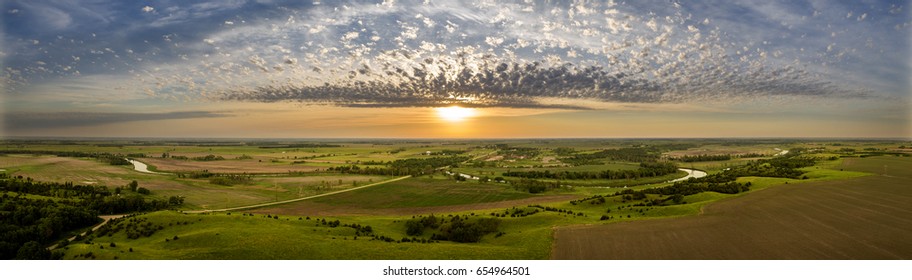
143 190
33 250
134 185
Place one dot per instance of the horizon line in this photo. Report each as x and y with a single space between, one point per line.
337 139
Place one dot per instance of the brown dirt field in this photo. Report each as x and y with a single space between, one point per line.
860 218
305 208
225 166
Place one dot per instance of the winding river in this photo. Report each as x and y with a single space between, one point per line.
691 173
142 167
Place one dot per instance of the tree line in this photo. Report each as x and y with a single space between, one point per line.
699 158
302 145
109 158
401 167
98 198
534 186
647 169
638 154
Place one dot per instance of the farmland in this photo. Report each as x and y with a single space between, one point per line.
763 199
858 218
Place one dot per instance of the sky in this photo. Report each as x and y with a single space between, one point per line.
455 69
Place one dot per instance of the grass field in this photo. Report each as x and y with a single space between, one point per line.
856 218
223 236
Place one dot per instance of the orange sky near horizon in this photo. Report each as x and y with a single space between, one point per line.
286 120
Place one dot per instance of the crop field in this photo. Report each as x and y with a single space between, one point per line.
860 218
498 171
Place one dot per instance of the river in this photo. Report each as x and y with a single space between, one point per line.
142 167
691 173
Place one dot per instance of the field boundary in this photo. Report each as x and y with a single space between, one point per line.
296 199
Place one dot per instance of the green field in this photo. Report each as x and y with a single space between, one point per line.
222 236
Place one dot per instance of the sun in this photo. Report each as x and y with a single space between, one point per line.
455 113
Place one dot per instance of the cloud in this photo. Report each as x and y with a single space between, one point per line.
17 121
513 54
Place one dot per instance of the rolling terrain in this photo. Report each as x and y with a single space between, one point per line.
858 218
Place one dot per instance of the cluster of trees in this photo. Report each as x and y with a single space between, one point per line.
697 158
37 221
594 200
25 219
517 212
556 210
751 155
447 152
196 174
457 228
132 203
208 158
411 166
534 186
519 152
695 186
302 145
114 160
781 167
638 154
416 226
98 198
434 162
133 226
231 179
647 169
564 151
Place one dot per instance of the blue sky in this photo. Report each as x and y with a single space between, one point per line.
83 67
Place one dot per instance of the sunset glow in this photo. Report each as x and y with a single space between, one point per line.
455 113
